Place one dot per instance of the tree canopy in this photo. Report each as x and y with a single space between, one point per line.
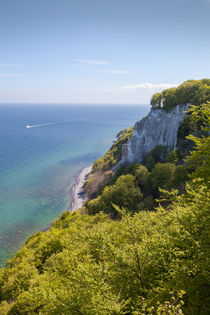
94 265
192 91
123 193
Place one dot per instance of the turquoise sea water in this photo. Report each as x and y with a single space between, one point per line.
38 165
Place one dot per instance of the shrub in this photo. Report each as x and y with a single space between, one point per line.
124 193
161 176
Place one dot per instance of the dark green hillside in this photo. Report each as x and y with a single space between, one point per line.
132 254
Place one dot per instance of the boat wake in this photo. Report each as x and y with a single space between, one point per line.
40 125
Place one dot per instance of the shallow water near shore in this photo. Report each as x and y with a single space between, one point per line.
38 165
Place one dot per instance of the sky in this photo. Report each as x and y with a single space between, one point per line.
100 51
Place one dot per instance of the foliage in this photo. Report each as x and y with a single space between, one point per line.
141 173
192 91
169 98
200 156
172 157
161 176
158 154
155 101
180 176
150 162
114 154
121 133
96 181
116 267
188 126
148 203
101 173
124 193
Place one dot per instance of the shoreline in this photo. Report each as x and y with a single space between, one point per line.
77 193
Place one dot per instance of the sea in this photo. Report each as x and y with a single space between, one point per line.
42 150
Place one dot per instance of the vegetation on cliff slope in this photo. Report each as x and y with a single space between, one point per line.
143 262
101 173
93 265
114 153
137 186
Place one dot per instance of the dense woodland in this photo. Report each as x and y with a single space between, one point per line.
192 91
140 245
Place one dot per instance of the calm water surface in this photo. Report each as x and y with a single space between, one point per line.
39 164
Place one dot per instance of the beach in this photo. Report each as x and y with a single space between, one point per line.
77 191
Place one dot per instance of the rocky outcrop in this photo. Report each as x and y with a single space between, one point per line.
158 127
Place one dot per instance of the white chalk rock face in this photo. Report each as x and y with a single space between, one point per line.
158 127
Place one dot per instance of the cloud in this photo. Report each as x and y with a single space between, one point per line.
113 71
10 75
146 85
91 62
11 65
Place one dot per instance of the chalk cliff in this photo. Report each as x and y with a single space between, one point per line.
158 127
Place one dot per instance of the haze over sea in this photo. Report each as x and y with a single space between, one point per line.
39 165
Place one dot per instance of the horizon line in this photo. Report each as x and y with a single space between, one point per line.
62 103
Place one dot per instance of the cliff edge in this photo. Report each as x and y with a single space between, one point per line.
159 127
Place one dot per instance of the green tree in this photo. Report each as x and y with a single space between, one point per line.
124 193
171 157
169 98
200 156
162 176
150 162
141 173
159 153
192 91
180 176
156 99
113 154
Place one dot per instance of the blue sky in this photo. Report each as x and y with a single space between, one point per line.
100 51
